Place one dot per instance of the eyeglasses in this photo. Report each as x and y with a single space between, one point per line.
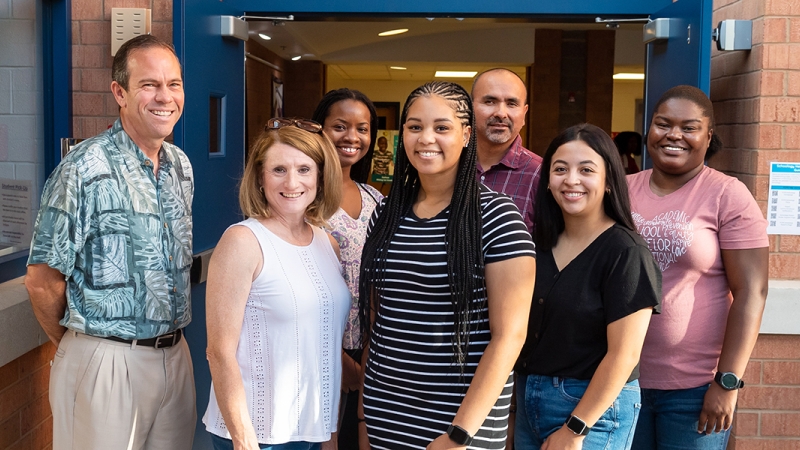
303 124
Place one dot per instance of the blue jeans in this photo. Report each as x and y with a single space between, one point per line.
545 403
221 443
669 422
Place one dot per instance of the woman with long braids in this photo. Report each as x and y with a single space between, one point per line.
349 119
446 282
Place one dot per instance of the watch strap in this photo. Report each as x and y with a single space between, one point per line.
459 435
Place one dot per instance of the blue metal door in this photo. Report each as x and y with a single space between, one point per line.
211 132
684 58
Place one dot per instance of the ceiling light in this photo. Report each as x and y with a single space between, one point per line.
393 32
455 73
296 58
264 36
397 67
628 76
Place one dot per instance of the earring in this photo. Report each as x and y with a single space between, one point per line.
608 190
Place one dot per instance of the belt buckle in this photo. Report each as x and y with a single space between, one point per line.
172 337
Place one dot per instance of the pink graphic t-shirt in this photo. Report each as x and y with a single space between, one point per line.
685 231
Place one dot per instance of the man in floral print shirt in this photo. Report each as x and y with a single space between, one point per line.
108 273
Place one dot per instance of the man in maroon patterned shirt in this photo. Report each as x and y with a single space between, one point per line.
500 100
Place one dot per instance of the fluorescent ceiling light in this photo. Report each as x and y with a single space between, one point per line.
296 58
264 36
455 73
393 32
628 76
397 67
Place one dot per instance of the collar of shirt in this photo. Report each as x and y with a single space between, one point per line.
126 145
511 157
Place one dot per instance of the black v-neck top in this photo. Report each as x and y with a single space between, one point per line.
612 278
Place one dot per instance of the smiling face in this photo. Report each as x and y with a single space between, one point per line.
152 102
578 180
500 107
347 125
678 138
289 178
434 137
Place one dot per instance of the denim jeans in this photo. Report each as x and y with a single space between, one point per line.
545 403
221 443
669 422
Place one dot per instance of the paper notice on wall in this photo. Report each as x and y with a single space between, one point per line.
16 220
783 207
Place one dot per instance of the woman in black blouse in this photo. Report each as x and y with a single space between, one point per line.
596 287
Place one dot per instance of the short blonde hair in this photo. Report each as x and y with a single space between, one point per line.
316 146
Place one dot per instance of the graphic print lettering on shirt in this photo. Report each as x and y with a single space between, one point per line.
668 235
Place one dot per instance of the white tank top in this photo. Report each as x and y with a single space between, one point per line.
290 347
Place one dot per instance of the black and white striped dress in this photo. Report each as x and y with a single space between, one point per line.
412 387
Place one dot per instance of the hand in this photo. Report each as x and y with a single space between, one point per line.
717 412
444 442
563 438
351 373
510 437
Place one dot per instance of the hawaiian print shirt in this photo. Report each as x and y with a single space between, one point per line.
122 238
351 234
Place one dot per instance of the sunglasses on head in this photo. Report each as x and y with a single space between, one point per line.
303 124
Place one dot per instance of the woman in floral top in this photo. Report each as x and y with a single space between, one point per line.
349 119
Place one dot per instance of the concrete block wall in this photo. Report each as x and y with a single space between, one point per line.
94 108
21 98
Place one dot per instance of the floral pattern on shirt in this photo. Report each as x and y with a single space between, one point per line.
121 237
350 234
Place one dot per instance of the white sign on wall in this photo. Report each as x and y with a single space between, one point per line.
783 204
16 221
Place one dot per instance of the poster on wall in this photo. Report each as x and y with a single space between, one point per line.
277 98
16 220
383 158
783 206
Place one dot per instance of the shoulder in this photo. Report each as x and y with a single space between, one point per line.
528 156
374 193
637 179
177 155
492 201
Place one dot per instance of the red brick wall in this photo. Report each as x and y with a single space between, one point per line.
756 98
25 419
94 108
768 416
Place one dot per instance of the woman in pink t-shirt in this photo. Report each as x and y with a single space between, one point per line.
709 238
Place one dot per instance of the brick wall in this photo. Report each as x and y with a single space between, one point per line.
768 417
94 108
25 419
756 97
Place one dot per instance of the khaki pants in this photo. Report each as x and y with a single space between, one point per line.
107 395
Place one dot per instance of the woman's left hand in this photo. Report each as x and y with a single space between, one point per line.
443 442
563 438
717 412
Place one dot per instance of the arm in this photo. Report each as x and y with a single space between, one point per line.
47 289
235 263
747 272
625 340
509 287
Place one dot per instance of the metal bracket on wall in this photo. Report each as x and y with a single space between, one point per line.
733 35
234 27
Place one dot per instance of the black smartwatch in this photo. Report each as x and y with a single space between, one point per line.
459 435
577 426
729 381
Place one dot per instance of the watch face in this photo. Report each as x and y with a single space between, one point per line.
729 381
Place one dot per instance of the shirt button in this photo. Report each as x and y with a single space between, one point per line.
483 177
175 289
536 335
175 321
170 258
147 162
165 225
541 301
